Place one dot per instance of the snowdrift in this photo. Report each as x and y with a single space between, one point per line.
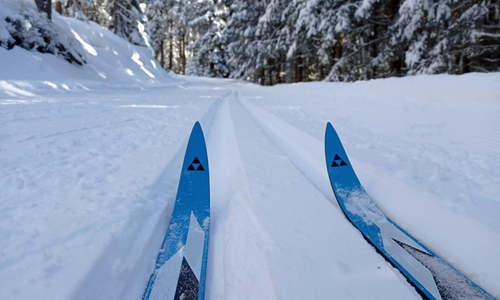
107 60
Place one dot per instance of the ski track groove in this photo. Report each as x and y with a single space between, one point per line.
305 166
146 236
248 126
456 172
230 197
300 167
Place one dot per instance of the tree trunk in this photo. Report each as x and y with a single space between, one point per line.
115 16
162 53
45 6
171 53
59 7
279 71
182 55
298 70
270 72
321 71
260 76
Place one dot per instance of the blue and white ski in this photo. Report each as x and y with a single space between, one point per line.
433 277
180 267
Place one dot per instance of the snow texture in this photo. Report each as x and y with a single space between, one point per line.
359 203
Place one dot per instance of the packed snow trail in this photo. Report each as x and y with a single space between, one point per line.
309 240
82 171
238 238
89 178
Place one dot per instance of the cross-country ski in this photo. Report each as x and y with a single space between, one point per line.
180 269
430 274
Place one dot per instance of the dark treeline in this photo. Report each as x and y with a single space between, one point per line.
276 41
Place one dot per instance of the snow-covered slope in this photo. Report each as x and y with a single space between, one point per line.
89 168
111 61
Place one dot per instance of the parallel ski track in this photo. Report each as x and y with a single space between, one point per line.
230 194
144 232
302 164
299 158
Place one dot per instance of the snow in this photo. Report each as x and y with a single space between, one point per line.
90 158
110 60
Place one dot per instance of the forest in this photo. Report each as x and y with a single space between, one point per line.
281 41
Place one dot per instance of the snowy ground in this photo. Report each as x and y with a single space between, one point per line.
89 169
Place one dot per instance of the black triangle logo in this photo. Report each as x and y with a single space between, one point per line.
196 165
338 162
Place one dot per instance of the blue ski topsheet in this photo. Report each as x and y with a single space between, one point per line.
180 267
433 277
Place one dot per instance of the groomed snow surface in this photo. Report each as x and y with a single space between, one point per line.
90 158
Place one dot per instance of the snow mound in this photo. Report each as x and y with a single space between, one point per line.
107 60
21 25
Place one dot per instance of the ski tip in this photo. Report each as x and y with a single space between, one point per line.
197 125
329 126
330 130
197 129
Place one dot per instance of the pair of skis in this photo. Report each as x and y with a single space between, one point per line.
180 269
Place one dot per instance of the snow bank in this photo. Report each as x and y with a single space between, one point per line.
110 60
22 26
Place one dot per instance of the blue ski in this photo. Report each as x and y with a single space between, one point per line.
180 267
433 277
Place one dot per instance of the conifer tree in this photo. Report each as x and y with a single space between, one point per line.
209 55
127 20
45 6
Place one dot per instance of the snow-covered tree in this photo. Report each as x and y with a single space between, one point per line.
273 32
273 41
33 31
242 41
361 33
157 26
447 36
81 9
209 55
45 6
128 19
473 35
314 38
